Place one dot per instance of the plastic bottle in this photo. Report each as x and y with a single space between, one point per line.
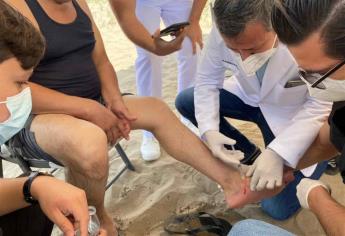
94 225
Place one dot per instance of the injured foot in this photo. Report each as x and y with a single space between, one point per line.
242 195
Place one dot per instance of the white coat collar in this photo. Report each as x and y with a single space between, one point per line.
278 68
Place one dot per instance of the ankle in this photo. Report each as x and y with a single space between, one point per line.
231 181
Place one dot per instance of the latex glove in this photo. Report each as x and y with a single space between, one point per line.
267 171
304 188
216 142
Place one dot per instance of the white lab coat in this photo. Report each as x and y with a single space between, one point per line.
294 117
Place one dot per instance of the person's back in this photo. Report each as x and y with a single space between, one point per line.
67 65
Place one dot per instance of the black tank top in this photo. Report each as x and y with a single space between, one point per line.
67 65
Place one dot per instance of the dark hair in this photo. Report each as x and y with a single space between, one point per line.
296 20
232 16
19 38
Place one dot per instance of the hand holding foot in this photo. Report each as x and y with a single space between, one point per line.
266 172
238 195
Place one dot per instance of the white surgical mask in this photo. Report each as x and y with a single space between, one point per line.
334 90
254 62
19 107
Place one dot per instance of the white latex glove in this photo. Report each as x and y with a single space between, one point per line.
267 171
304 188
216 141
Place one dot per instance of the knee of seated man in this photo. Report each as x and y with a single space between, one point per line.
92 153
278 210
157 104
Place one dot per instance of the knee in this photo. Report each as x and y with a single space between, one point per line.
245 226
158 106
278 211
92 154
184 102
248 227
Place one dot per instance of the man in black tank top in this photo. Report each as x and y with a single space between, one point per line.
71 127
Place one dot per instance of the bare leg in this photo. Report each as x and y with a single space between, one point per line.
320 150
82 148
184 146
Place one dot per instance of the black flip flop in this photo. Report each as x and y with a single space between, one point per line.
197 223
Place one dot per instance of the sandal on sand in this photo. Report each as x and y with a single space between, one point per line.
200 223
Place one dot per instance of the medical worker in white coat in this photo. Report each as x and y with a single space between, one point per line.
265 89
149 66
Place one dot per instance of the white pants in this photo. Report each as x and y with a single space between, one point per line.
149 66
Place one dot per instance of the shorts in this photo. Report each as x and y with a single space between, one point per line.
24 143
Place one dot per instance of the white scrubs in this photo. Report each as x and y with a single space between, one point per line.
149 66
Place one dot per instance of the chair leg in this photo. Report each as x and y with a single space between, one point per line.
128 165
1 170
24 166
115 178
124 157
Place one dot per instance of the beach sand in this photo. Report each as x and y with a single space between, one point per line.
140 201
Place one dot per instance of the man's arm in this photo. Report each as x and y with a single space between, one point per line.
11 189
105 69
107 75
48 101
209 80
329 212
194 31
124 11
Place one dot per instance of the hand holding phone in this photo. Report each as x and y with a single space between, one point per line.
170 30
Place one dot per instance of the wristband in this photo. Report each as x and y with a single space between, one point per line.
27 186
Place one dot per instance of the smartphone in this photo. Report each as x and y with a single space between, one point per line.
173 28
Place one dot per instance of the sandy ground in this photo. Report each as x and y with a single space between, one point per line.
140 201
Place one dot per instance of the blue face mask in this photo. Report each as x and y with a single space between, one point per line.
19 107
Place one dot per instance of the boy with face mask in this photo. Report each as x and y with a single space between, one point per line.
21 48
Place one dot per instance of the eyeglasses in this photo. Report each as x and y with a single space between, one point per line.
315 80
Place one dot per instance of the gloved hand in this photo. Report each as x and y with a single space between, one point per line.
267 171
304 188
216 141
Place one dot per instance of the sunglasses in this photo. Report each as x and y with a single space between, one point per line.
315 80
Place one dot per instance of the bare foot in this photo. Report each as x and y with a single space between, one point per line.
108 225
240 195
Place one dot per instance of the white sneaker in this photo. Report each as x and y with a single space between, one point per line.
150 149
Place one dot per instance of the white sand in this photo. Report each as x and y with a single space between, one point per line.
140 201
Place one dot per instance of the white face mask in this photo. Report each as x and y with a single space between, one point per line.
334 91
254 62
19 107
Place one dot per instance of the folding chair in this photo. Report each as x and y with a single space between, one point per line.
26 164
